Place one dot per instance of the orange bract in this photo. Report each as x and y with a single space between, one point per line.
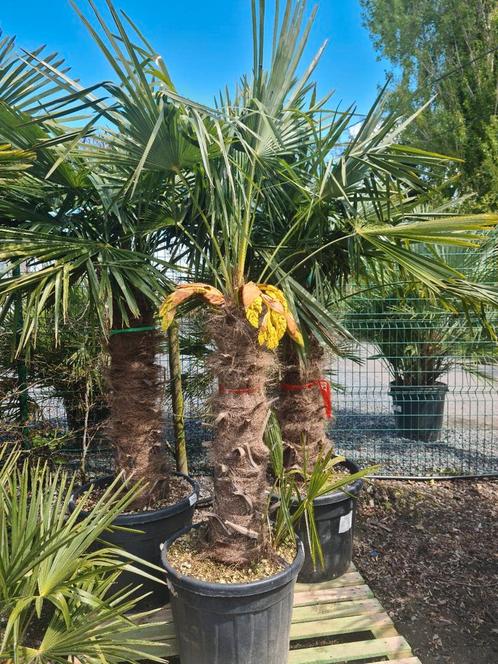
182 293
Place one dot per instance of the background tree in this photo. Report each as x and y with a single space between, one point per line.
447 48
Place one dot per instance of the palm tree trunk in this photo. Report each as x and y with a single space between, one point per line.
238 529
136 413
300 406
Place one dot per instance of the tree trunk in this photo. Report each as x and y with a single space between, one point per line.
238 529
136 413
301 411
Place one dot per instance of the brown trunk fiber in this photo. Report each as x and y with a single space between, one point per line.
136 419
238 530
301 412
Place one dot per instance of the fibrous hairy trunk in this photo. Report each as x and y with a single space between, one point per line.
136 418
300 411
238 529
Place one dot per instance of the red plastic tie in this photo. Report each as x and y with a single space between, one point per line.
239 390
322 384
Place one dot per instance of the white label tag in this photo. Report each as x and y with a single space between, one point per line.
397 409
193 499
346 522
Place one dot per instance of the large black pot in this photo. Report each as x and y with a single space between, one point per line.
335 516
155 526
419 410
244 623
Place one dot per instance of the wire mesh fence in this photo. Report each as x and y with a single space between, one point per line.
442 421
417 433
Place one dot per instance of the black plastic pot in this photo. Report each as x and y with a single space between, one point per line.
335 516
155 527
244 623
419 410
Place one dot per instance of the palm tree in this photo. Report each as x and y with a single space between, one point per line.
246 320
266 215
96 210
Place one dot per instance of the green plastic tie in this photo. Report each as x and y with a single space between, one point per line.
126 330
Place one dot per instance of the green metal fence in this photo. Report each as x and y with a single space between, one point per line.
401 429
436 425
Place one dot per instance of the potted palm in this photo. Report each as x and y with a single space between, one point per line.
240 202
229 586
351 227
57 599
95 214
420 341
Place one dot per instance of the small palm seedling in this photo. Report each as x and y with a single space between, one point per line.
57 594
298 489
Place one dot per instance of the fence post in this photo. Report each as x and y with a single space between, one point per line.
21 369
175 370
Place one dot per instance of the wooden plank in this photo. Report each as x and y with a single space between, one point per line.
387 630
348 579
336 610
349 652
405 660
336 626
332 595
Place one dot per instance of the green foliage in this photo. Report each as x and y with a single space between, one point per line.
447 48
13 162
71 369
56 594
421 338
297 488
162 172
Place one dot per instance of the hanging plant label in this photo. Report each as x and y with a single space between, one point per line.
346 522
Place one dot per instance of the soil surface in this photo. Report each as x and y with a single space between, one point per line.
429 551
188 556
179 489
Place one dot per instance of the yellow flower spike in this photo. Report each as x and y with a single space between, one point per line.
253 312
275 293
279 323
258 299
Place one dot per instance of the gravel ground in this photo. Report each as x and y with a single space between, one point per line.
372 438
368 438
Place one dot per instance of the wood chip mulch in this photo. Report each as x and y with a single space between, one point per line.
429 551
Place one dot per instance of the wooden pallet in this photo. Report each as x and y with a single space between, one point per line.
339 610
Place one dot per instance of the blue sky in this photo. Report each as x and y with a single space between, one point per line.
205 43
